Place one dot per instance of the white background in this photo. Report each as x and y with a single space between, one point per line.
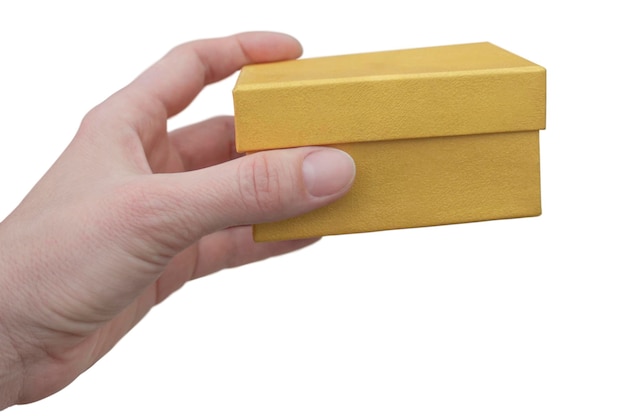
505 318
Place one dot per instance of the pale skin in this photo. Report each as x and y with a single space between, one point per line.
130 212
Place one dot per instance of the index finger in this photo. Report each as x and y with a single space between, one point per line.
177 78
172 83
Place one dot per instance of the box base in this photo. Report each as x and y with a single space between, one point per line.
426 182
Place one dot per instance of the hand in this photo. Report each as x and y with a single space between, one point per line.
130 212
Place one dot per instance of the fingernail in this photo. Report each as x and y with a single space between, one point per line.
327 171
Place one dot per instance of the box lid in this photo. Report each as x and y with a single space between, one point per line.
425 92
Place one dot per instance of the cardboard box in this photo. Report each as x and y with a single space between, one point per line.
439 135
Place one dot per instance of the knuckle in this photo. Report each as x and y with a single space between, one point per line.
93 118
259 184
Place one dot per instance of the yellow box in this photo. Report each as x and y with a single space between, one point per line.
439 135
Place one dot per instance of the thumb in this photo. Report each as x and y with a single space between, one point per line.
258 188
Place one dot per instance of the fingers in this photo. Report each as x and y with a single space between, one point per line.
133 122
262 187
207 143
234 247
175 80
172 83
227 248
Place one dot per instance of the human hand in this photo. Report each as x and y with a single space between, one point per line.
130 212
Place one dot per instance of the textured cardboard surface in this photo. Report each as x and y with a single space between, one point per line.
439 135
425 182
425 92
